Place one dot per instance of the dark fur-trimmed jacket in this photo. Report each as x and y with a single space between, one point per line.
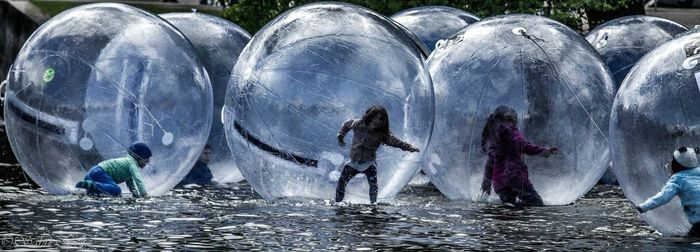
365 141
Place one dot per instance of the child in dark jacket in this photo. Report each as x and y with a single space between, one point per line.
200 174
370 132
685 182
105 177
505 168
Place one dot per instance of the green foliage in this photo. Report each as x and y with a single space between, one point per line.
254 14
573 12
53 8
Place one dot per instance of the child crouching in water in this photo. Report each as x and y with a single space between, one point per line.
685 182
505 168
105 177
370 132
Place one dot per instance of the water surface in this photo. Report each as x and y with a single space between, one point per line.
234 217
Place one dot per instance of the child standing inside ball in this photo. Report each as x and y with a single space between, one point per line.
105 177
505 168
685 182
370 132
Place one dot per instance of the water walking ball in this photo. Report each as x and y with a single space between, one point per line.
552 78
623 41
95 79
301 77
433 23
218 43
654 113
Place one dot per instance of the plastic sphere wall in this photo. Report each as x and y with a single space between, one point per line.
552 78
218 43
654 113
301 77
623 41
95 79
433 23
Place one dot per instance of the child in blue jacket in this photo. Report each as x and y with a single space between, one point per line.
685 183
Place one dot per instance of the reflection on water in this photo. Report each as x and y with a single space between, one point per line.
234 217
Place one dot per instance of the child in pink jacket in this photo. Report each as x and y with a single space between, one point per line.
505 168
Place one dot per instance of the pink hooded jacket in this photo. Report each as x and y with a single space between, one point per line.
505 148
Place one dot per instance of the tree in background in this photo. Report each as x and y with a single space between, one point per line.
577 14
595 12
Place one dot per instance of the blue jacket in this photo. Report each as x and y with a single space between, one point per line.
685 184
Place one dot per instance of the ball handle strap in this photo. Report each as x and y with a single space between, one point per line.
3 88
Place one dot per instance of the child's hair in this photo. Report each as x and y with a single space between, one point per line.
675 166
501 114
683 158
374 111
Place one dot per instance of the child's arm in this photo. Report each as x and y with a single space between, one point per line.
664 196
135 184
132 188
519 141
398 143
488 173
347 126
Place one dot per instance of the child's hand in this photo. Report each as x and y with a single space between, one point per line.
549 151
635 206
341 141
553 150
413 149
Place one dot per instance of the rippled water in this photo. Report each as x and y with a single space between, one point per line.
234 217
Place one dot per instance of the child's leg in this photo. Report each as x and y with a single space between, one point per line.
87 182
694 231
110 188
371 174
345 176
506 195
530 197
101 183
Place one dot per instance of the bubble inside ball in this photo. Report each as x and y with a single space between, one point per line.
218 43
301 77
97 78
433 23
549 75
655 113
623 41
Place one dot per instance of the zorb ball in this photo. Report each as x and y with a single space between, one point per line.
655 112
95 79
549 75
433 23
218 43
622 42
303 75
